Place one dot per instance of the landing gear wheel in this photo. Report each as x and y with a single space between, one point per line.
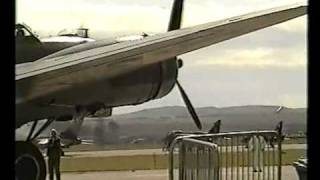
29 162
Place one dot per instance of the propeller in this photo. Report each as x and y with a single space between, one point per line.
189 106
176 15
175 23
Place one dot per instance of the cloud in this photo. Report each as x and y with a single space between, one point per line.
292 100
258 58
51 16
264 67
48 17
227 86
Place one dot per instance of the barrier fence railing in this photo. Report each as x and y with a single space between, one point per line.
197 159
248 155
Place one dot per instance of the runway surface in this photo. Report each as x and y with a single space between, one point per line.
288 172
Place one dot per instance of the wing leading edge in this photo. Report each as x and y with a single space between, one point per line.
109 61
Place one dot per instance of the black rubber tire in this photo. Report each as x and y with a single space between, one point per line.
29 162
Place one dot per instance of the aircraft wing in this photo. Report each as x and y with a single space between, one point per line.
54 74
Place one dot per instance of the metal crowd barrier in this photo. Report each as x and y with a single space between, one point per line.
197 159
250 155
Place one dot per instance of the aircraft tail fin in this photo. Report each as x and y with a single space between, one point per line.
215 128
176 15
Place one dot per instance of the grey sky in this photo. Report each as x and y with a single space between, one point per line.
266 67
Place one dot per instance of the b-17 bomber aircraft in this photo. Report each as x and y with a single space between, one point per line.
74 76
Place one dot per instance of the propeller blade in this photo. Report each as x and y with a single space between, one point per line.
175 23
176 15
189 106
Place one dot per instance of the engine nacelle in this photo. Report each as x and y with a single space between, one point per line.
151 82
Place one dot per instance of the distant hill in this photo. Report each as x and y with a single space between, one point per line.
153 124
156 122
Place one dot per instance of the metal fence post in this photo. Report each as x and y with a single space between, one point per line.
279 129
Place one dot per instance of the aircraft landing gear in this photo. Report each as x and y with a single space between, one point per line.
29 162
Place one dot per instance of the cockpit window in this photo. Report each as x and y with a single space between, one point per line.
22 30
21 33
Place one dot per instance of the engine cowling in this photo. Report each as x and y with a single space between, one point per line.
151 82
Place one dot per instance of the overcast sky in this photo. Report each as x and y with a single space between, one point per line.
267 67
